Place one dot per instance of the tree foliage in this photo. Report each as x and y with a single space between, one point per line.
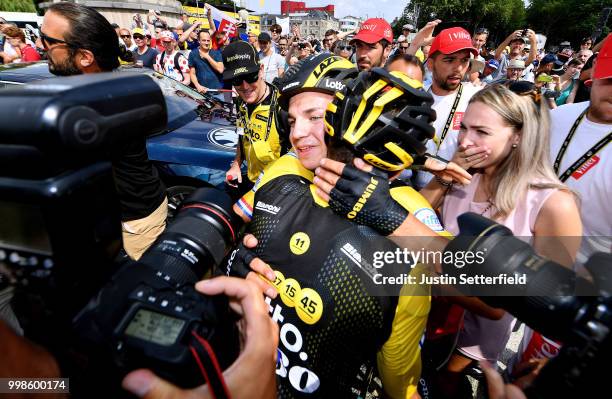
499 16
569 20
17 5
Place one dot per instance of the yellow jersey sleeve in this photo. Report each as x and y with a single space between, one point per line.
399 360
288 164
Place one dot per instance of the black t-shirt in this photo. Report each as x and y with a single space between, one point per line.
148 57
137 181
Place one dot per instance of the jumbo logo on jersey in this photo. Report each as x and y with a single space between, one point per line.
224 137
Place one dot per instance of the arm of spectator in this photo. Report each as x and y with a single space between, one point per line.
216 64
500 49
572 95
533 47
186 33
290 52
559 217
211 22
423 37
194 80
342 35
281 69
149 17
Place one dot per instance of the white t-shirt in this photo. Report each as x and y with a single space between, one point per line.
442 105
593 180
170 69
272 63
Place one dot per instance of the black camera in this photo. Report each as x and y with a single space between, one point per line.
149 314
60 239
553 300
524 32
302 45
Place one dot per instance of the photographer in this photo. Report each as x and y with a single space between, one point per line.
516 40
252 374
79 40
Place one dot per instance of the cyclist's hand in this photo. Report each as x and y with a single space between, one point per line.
360 193
244 263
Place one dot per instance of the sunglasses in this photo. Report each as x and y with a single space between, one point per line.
277 31
48 41
482 30
404 47
124 36
138 37
347 48
250 79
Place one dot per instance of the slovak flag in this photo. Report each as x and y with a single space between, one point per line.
223 22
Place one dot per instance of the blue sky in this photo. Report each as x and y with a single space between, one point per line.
387 9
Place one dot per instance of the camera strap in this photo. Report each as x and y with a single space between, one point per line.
449 120
590 152
207 362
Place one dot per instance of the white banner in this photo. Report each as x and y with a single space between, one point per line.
284 23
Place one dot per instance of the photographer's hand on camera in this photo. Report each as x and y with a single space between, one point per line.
252 374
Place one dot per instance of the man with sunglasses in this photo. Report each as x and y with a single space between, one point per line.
79 40
259 145
143 53
170 62
126 37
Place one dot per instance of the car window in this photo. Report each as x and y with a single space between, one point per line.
180 99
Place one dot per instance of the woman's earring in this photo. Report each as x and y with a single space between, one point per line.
514 146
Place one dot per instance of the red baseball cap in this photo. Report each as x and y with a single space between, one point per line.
374 30
452 40
603 64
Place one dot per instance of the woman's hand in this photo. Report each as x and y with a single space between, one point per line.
470 157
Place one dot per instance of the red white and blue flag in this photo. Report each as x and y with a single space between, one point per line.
223 22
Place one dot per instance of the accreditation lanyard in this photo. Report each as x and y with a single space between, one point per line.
271 114
590 152
450 116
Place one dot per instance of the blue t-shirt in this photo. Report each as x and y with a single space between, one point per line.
205 73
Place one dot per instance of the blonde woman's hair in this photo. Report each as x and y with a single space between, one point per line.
528 165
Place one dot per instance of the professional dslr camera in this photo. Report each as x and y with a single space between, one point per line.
61 234
554 301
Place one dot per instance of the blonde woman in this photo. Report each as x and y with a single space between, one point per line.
504 141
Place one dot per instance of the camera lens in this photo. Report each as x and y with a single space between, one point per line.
199 237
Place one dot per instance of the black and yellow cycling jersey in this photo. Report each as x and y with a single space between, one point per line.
260 144
331 325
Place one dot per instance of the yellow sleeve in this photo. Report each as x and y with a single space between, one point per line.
417 205
399 360
288 164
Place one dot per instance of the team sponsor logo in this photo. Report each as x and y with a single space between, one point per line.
290 85
324 65
272 209
333 84
224 137
428 217
363 199
352 253
240 70
585 167
238 57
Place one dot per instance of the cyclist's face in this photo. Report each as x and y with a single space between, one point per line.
306 116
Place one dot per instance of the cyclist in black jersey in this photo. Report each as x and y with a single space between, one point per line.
331 327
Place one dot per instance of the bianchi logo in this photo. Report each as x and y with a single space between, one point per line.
353 254
267 208
224 137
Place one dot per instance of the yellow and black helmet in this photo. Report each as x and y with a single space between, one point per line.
324 73
384 117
